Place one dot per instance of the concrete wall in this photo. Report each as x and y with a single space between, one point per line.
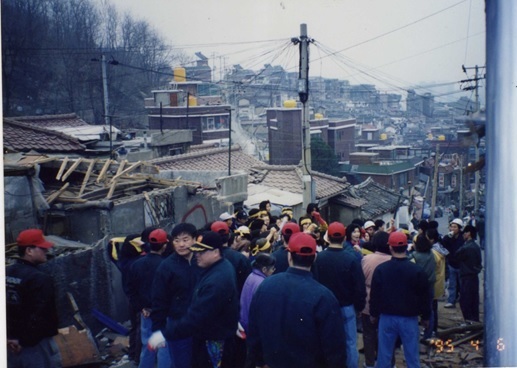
19 207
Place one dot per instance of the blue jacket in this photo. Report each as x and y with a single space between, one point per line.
342 273
172 290
214 311
140 280
295 322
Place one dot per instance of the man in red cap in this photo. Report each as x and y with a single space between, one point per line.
31 309
341 272
140 286
293 318
399 295
280 254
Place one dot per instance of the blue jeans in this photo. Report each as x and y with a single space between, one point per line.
391 327
43 355
350 325
148 358
454 284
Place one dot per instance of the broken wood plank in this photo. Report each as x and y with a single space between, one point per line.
104 170
129 169
44 160
150 204
87 177
72 168
114 182
467 338
459 329
62 168
55 195
121 185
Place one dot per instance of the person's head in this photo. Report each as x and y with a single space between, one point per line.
380 225
397 242
207 248
433 235
369 227
380 242
353 232
305 223
289 229
158 239
455 226
260 245
423 225
221 228
32 246
312 207
287 211
265 206
470 232
301 250
423 244
131 247
258 225
144 236
265 263
241 216
242 233
336 233
183 237
226 217
264 215
433 224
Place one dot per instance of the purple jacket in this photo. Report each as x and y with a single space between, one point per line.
253 281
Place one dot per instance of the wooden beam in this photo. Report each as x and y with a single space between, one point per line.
87 177
62 168
104 170
150 204
55 195
129 169
114 181
72 168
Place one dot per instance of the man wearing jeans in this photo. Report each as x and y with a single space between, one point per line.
399 295
452 242
341 272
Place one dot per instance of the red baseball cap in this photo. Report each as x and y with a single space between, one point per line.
290 228
302 244
220 227
336 230
33 237
397 239
158 236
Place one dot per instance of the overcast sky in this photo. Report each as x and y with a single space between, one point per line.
394 44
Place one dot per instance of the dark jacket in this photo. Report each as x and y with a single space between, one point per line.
400 288
469 258
31 309
281 264
452 245
341 272
214 311
140 280
173 286
241 265
295 322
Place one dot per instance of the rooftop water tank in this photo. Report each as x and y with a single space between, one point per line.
180 74
290 104
318 116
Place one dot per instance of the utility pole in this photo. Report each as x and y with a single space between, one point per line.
303 92
107 117
476 80
435 181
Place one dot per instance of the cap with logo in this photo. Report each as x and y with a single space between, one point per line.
209 240
241 215
33 237
302 244
397 239
158 236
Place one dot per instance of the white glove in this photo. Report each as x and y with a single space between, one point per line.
156 341
240 331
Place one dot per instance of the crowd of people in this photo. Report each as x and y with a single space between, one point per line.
256 290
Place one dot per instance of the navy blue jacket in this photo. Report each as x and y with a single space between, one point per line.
469 258
401 288
31 309
281 264
295 322
452 244
341 272
140 280
173 286
214 311
241 265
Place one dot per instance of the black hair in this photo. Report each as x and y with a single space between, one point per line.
380 242
263 260
256 224
399 249
145 234
263 204
350 229
379 223
155 247
433 224
302 261
423 225
311 207
21 250
422 244
433 235
127 250
336 239
358 221
184 228
472 230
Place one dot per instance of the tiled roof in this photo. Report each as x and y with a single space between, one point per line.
287 178
47 121
22 137
376 199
